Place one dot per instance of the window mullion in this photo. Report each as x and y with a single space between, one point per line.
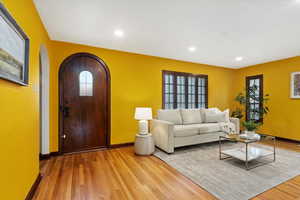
206 92
196 92
186 92
175 91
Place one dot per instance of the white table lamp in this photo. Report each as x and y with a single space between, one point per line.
143 115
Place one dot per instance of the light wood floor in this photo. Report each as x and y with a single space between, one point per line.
119 174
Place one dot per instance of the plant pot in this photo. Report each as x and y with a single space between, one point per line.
252 135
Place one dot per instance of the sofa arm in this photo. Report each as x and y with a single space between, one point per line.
163 134
236 122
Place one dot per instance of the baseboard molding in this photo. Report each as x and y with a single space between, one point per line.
49 155
86 150
34 187
44 156
113 146
55 153
287 139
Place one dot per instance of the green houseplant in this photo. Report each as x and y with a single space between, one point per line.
243 99
251 125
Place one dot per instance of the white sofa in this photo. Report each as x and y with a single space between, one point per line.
182 127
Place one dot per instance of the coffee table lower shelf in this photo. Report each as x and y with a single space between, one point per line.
247 153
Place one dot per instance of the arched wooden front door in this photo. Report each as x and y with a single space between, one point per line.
84 85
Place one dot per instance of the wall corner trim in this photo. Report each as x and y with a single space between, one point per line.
34 187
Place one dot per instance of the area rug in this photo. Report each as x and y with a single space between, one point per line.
227 179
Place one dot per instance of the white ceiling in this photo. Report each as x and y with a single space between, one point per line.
221 30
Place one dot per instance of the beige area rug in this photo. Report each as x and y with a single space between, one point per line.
227 179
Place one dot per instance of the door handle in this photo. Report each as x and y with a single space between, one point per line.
64 136
66 111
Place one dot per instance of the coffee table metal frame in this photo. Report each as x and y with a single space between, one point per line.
236 138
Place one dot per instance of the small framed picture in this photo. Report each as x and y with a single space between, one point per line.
14 50
295 85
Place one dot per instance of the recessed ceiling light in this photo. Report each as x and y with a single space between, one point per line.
192 48
239 58
119 33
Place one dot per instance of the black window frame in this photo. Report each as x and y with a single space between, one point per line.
261 94
196 87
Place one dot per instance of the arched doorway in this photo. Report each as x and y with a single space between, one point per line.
84 89
44 101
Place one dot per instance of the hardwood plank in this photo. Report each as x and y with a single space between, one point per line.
120 174
274 193
289 189
114 174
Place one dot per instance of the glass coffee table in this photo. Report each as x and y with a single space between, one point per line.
248 152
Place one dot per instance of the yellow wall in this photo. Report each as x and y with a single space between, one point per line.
136 80
283 119
19 112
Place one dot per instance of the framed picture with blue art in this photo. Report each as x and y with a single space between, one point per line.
295 85
14 50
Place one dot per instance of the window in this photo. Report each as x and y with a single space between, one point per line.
191 92
184 90
254 106
85 83
168 89
180 91
202 91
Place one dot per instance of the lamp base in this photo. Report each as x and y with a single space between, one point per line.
143 127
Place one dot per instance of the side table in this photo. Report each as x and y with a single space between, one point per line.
144 144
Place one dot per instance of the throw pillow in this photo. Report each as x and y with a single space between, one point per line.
227 118
173 116
215 117
208 110
191 116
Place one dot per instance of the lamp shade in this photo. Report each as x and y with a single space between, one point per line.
143 113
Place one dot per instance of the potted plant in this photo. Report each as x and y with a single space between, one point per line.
243 99
237 113
251 126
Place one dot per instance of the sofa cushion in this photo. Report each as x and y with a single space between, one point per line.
173 116
209 128
205 111
212 110
191 116
202 113
186 130
195 129
215 117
